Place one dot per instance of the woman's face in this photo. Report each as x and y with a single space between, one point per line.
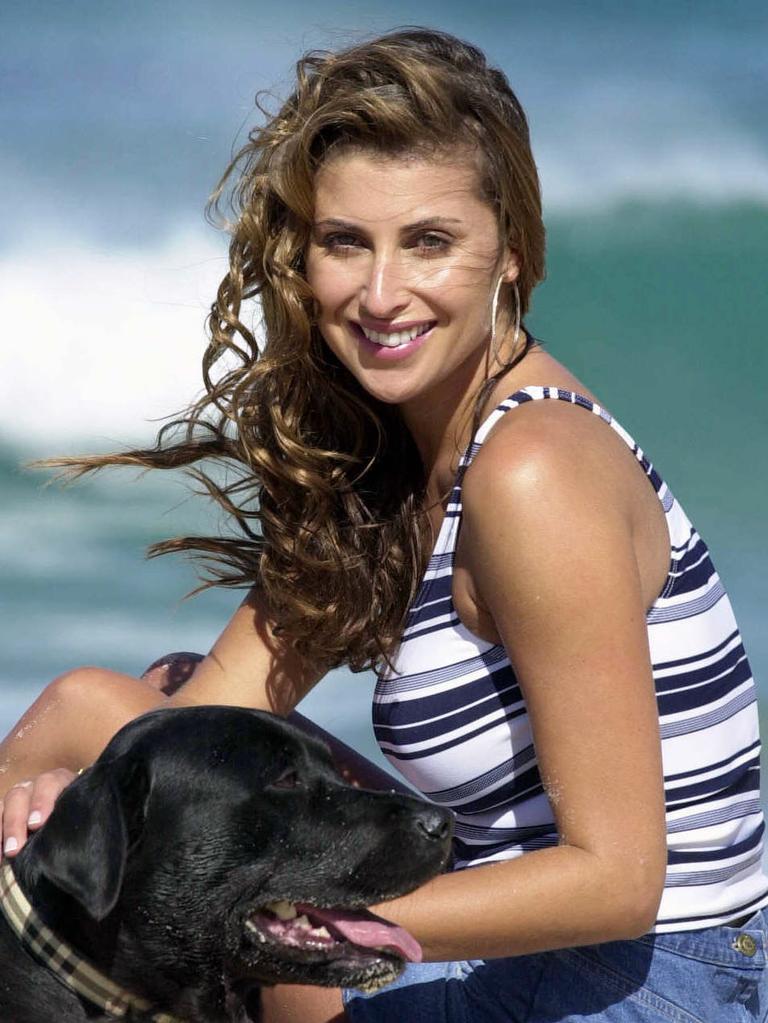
403 261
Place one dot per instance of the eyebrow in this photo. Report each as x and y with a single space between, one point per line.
424 222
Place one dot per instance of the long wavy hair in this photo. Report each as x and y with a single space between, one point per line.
322 484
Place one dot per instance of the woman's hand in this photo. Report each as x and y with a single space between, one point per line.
28 802
27 806
66 727
76 715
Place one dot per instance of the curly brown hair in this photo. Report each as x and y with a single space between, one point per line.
323 482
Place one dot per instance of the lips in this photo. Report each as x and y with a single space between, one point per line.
395 344
397 335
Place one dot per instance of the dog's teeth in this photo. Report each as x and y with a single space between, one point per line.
283 909
321 932
250 926
304 923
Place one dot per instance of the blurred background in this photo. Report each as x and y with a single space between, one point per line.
648 121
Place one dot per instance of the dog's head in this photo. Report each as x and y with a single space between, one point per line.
218 847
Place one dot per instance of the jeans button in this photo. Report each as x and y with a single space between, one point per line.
745 944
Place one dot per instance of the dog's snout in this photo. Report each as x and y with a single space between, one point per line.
433 823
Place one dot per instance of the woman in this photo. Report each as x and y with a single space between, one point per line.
564 671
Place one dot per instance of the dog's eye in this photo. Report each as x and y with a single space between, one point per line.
287 780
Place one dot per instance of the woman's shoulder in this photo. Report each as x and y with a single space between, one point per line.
546 440
551 471
549 444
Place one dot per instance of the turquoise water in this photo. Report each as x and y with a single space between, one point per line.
653 149
660 309
627 304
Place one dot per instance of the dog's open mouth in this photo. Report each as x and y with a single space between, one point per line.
331 933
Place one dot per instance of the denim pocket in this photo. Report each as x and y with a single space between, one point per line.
623 981
731 963
743 948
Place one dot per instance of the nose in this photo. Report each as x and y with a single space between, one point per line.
383 294
433 823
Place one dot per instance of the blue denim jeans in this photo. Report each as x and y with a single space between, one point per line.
715 975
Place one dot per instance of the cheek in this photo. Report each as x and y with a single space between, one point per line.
462 290
443 280
468 270
332 286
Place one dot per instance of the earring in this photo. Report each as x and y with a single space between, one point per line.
516 291
494 309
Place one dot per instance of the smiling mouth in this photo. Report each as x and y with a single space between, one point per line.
396 338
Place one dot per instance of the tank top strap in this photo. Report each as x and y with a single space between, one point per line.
518 398
537 392
521 397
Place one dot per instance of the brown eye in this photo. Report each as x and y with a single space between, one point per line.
340 241
431 244
433 241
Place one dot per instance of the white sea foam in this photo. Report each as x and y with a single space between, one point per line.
609 173
97 342
627 139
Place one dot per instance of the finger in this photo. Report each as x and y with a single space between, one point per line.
15 814
45 791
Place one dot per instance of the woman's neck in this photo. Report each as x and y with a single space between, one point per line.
441 422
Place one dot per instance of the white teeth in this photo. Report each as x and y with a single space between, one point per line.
251 926
394 340
304 923
283 909
320 932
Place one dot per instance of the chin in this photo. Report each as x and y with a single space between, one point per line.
391 394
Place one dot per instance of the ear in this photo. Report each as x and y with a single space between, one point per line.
82 847
510 267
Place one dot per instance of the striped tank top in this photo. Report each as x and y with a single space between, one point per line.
451 718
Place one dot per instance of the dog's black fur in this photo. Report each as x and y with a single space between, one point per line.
154 859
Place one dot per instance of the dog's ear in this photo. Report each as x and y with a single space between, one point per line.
83 846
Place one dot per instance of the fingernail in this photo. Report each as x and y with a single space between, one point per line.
11 845
35 817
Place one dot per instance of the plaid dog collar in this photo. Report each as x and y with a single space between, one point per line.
67 966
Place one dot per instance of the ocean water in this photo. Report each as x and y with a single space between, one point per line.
648 122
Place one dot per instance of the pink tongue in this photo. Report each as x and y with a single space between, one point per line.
366 929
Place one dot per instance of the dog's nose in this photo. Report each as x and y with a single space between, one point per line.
433 823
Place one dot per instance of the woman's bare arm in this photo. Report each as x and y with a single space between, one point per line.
549 545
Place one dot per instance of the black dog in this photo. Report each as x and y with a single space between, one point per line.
209 851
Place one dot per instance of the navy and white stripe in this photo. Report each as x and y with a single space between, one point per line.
452 719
